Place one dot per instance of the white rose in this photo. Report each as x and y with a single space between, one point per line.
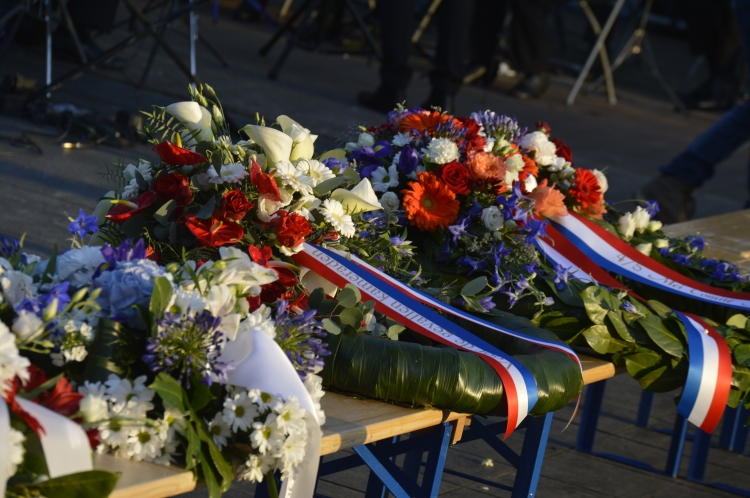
603 183
626 225
389 201
661 243
654 225
94 408
196 118
515 163
267 208
641 219
26 325
365 140
644 248
492 218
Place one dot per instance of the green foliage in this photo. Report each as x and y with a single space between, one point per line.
91 484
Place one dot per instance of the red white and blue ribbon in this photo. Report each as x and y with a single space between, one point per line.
615 255
709 379
520 386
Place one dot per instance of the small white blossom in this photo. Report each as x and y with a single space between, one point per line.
129 399
442 151
219 430
239 411
333 213
290 416
26 324
229 173
267 437
315 170
255 468
144 444
383 179
293 178
538 143
12 364
644 248
654 225
661 243
401 139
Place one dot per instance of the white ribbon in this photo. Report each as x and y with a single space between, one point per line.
4 445
261 364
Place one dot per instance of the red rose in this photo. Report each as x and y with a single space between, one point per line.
456 177
234 205
126 209
174 187
266 185
292 229
214 232
177 156
563 150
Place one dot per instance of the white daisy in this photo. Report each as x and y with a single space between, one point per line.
292 453
255 468
129 400
333 213
402 139
267 437
264 401
290 416
12 364
239 411
315 170
229 173
144 444
294 178
219 430
15 451
383 179
442 151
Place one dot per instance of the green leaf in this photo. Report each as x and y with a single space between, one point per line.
627 333
161 296
653 372
51 268
327 306
42 387
331 326
661 335
660 309
207 210
355 290
566 328
201 396
347 297
339 154
91 484
601 341
352 317
474 287
316 297
738 321
170 391
163 214
597 302
394 331
134 226
742 355
323 188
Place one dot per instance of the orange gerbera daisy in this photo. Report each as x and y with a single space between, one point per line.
586 191
422 121
429 204
529 166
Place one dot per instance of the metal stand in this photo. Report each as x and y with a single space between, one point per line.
305 11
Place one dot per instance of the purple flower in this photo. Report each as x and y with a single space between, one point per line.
460 228
652 207
629 307
127 251
535 228
9 248
396 241
562 275
724 270
476 208
696 242
471 264
332 163
408 160
681 259
300 336
83 224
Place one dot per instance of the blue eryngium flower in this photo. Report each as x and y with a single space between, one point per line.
83 224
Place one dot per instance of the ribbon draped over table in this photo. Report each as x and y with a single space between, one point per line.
581 248
414 309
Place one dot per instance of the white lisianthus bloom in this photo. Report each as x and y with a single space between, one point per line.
654 225
266 208
304 141
389 201
333 212
78 265
196 118
364 140
515 163
15 451
305 206
293 178
626 225
12 364
442 151
94 408
492 218
644 248
229 173
641 219
315 170
26 325
602 179
401 139
360 199
538 143
239 411
383 179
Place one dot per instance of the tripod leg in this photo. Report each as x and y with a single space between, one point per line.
283 29
72 30
213 51
152 54
292 41
362 26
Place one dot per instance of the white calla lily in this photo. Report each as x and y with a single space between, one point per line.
313 281
360 199
304 147
276 144
196 118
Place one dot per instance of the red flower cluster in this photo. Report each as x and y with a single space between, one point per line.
178 156
214 231
127 209
234 205
174 187
291 229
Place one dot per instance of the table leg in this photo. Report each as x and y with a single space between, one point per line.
590 417
437 452
532 456
729 428
743 432
699 456
679 433
645 407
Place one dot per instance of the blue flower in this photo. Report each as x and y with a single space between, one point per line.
724 270
696 242
535 228
408 160
681 259
476 208
471 264
459 229
9 248
499 252
126 251
562 275
301 338
83 224
396 241
652 207
59 292
629 307
128 284
332 163
664 252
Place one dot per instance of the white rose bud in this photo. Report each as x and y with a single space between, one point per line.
626 225
365 140
603 183
492 218
641 218
94 408
654 225
389 201
661 243
644 248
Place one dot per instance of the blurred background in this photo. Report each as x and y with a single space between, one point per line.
681 66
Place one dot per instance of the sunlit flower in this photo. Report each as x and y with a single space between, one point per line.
333 212
429 204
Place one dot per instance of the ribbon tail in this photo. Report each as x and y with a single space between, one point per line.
4 445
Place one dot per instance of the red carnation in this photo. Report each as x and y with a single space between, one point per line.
262 256
174 187
543 127
586 191
474 141
234 205
456 177
214 232
126 209
291 229
178 156
563 150
266 185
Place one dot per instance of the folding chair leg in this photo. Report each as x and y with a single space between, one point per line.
729 428
532 456
679 433
590 417
645 407
438 451
699 456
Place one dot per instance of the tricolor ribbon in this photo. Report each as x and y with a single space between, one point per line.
411 309
709 379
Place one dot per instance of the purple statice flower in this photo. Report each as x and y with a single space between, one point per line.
408 160
629 307
499 126
460 228
127 251
332 163
188 348
562 275
301 338
84 224
472 264
652 207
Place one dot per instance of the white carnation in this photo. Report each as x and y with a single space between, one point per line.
626 225
538 143
515 163
442 151
229 173
641 219
602 179
402 139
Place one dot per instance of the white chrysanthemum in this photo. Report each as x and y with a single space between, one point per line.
259 321
267 437
144 444
143 168
402 139
305 206
293 178
264 401
315 170
12 364
255 468
538 143
383 179
290 416
229 173
131 190
389 201
239 411
333 213
15 451
219 430
292 453
129 399
314 386
442 151
515 163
